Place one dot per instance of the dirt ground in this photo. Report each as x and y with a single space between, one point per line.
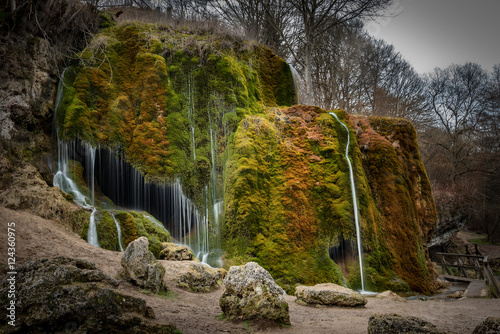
200 312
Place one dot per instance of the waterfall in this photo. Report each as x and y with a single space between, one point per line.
354 202
118 230
66 184
295 79
92 232
166 203
190 106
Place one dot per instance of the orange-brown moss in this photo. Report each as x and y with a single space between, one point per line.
289 200
402 193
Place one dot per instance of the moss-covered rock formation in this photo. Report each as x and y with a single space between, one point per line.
164 99
213 112
288 198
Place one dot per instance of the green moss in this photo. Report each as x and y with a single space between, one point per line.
162 97
106 20
106 231
136 224
142 88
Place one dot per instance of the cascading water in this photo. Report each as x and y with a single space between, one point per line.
66 184
355 203
118 230
92 233
167 203
187 222
190 107
295 79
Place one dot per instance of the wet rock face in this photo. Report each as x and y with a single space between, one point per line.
173 252
452 218
251 293
71 295
489 326
394 323
141 267
329 294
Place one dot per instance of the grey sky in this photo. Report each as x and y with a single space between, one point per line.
438 33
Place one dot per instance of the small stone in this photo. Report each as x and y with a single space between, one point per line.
457 294
390 294
329 294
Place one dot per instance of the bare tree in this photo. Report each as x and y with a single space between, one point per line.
456 98
266 21
317 17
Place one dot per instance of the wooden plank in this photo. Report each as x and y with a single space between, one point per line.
453 278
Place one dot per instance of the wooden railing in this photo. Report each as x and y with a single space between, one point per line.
490 277
465 264
470 267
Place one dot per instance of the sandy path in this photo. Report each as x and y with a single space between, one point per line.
198 313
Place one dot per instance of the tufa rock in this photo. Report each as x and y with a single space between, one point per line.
394 323
490 325
251 293
193 275
173 252
201 278
329 294
65 295
141 267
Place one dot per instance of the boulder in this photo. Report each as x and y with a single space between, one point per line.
490 325
193 275
329 294
251 293
394 323
65 295
173 252
141 267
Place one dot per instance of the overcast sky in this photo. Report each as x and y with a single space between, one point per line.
438 33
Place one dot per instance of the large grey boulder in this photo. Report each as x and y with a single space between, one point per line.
141 267
328 294
251 293
173 252
490 325
394 323
65 295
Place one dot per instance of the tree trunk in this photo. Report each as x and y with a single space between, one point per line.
308 71
12 5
